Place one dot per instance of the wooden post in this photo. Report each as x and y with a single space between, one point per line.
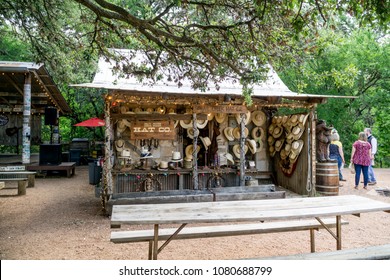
26 135
22 187
242 150
31 180
195 180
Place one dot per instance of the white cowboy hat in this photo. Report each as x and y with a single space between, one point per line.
277 132
176 156
220 117
252 145
229 158
237 132
163 165
236 150
201 123
186 123
258 118
303 118
296 148
190 150
210 116
206 142
191 132
258 133
119 145
228 132
247 117
125 153
279 144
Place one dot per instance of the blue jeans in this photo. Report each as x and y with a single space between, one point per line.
371 176
339 164
358 169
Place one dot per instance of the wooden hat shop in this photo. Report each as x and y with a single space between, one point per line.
166 143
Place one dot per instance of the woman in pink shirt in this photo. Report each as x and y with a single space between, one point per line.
361 158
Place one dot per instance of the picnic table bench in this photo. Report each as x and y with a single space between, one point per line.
278 214
18 174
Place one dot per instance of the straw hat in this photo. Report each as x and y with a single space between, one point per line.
252 145
206 142
272 151
296 132
191 133
247 117
201 123
271 140
293 120
271 128
161 110
237 132
258 118
283 154
279 144
171 111
277 132
259 146
149 110
303 118
124 109
229 158
186 123
236 150
258 133
163 166
137 110
121 126
296 148
210 116
228 132
220 117
119 145
190 150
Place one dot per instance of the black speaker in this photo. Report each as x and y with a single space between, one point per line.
50 116
50 154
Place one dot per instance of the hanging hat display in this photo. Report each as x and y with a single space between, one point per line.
236 150
258 118
220 117
228 132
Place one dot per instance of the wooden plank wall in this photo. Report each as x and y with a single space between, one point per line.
17 121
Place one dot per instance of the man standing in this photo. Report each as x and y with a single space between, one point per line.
374 145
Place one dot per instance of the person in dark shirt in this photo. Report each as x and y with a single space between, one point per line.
374 146
336 152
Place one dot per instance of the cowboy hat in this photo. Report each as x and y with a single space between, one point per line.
247 117
236 150
191 133
229 158
258 118
271 140
296 148
125 153
303 118
271 128
210 116
283 154
296 132
171 111
277 132
206 142
237 132
137 110
259 145
124 109
201 123
220 117
186 123
161 109
272 151
121 126
293 120
190 150
228 132
119 145
252 145
257 133
279 144
163 166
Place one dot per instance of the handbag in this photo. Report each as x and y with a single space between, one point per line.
352 167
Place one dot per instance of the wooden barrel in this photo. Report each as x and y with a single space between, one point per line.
327 178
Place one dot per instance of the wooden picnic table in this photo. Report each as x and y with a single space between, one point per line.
244 211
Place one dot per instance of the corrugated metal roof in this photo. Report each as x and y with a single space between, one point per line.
43 89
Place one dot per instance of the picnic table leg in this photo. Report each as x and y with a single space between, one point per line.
312 241
31 181
338 232
150 255
155 242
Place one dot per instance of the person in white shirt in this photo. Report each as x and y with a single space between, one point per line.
374 146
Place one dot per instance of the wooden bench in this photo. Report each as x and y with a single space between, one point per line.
22 183
380 252
223 230
14 175
69 167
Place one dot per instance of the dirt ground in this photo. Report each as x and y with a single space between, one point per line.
60 219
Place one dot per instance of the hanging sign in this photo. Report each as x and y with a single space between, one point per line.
162 130
233 109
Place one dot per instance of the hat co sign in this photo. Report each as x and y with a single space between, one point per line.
163 130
